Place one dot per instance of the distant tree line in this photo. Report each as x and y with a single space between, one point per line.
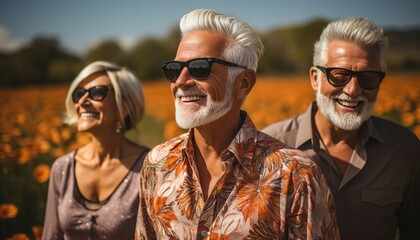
288 51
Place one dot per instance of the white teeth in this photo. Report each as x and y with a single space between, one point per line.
347 103
191 98
88 114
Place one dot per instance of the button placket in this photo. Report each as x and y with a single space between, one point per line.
204 233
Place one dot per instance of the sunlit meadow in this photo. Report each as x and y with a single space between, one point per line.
33 134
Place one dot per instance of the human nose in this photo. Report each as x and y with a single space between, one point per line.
84 98
184 78
353 88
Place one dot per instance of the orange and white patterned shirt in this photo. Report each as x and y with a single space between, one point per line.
267 191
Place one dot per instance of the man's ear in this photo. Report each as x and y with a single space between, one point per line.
312 75
247 82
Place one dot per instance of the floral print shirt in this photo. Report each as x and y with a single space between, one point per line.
267 191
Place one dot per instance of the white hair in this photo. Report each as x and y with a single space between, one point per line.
356 30
245 47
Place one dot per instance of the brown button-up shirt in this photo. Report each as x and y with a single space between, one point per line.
377 193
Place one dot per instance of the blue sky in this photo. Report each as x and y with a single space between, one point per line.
79 24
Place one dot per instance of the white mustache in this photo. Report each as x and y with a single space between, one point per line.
345 97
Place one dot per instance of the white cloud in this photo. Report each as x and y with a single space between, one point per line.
127 43
7 43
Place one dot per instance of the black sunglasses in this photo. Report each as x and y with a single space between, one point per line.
198 68
96 93
339 77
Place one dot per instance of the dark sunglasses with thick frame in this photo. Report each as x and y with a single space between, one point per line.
97 93
198 68
339 77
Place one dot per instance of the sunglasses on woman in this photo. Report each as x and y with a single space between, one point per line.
339 77
198 68
96 93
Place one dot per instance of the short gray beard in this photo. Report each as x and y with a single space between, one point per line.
187 118
346 121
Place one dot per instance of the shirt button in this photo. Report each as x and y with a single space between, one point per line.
204 233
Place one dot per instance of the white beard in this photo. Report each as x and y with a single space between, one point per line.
187 117
344 120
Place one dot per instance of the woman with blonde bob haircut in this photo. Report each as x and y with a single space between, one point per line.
128 92
93 191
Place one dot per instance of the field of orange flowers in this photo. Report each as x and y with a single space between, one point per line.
33 135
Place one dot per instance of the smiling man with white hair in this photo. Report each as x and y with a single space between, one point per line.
372 165
223 179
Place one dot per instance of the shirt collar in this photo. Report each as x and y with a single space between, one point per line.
242 146
369 130
305 130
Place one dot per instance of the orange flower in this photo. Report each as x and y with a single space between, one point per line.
55 136
7 149
21 118
24 156
58 152
43 146
16 132
65 134
416 130
18 236
42 173
407 119
37 231
8 211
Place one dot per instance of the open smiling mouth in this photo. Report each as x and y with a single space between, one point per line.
349 104
192 98
89 114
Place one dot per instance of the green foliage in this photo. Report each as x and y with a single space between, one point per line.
289 50
62 71
146 57
108 50
31 65
404 52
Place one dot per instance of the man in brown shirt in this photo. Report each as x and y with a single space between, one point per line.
371 164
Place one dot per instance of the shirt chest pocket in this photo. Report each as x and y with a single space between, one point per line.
381 198
378 209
